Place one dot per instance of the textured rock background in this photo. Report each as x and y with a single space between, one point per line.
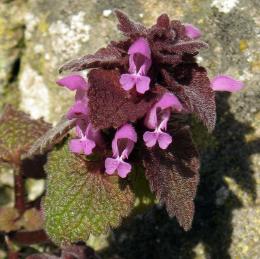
37 36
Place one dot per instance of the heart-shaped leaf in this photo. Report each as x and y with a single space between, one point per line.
81 199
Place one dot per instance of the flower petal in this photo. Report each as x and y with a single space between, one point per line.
123 169
139 64
76 146
150 138
226 83
142 84
125 132
192 31
127 81
88 146
164 140
141 46
167 101
94 134
78 110
81 95
73 82
111 165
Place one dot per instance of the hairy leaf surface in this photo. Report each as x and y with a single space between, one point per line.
128 27
17 133
109 57
192 86
110 105
80 199
51 137
173 176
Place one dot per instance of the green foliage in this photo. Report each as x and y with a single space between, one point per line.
144 198
80 199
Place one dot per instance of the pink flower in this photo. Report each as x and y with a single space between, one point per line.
78 83
89 138
78 110
226 83
192 31
122 146
139 64
157 119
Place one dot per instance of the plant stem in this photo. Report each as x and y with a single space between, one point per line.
12 253
29 237
19 190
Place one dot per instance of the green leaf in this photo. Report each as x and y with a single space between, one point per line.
17 133
80 200
144 198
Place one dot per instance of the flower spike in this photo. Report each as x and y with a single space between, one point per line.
122 146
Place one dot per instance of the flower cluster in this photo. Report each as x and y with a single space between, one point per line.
140 81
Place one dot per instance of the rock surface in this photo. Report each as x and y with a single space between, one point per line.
37 36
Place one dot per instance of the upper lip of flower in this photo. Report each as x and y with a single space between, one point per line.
128 134
73 82
158 118
139 64
192 31
140 46
122 146
168 101
226 83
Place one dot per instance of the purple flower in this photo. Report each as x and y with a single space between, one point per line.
89 138
157 119
226 83
122 146
192 31
78 83
139 64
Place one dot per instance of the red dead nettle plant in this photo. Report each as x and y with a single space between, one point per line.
133 89
129 132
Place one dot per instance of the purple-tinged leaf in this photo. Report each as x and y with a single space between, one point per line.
173 175
179 29
187 47
108 57
109 104
128 27
18 132
191 85
163 21
50 138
